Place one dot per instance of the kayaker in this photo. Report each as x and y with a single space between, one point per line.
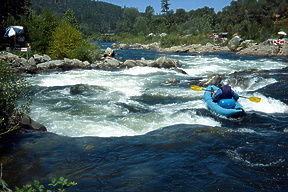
225 96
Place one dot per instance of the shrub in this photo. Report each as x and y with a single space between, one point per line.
13 88
56 185
64 40
86 52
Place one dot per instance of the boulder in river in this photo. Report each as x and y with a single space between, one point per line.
25 122
234 43
165 62
109 52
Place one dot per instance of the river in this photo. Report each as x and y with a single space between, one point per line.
129 130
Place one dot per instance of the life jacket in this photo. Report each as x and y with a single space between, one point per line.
226 92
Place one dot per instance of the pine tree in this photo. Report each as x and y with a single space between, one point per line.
165 6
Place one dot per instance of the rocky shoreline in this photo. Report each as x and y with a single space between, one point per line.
236 45
44 64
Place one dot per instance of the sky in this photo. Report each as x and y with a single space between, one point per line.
175 4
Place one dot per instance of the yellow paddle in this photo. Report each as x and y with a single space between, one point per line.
197 88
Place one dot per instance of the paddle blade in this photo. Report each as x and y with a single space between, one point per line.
255 99
196 88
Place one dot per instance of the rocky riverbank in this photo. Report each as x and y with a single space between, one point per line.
43 64
236 44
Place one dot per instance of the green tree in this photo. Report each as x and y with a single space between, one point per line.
165 6
86 51
64 40
140 26
70 18
39 28
13 88
149 12
159 24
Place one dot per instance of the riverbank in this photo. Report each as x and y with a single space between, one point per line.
237 45
42 64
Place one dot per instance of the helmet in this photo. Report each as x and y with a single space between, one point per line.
224 82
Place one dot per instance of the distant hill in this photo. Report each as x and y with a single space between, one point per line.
93 16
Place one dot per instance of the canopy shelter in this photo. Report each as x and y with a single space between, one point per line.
282 33
17 31
13 31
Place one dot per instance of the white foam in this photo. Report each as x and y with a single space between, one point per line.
102 115
266 105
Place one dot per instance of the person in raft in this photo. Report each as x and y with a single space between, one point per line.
225 96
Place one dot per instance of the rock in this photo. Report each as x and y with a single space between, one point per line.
38 58
109 63
283 52
213 80
154 45
32 61
165 62
194 48
50 64
234 43
260 50
63 65
8 57
123 46
180 70
46 57
129 64
109 52
26 122
171 81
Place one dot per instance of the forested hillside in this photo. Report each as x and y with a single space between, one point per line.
251 19
93 16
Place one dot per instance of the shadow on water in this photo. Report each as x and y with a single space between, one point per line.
176 158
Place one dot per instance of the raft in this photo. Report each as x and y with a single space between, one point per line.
235 112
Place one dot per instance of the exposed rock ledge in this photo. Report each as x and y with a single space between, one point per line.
237 45
196 48
41 64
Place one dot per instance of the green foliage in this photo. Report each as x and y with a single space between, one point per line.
170 40
59 185
39 28
4 186
70 18
64 40
86 52
13 88
92 16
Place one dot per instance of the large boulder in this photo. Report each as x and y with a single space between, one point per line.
41 58
123 46
64 65
260 50
109 63
165 62
25 122
109 52
129 63
234 43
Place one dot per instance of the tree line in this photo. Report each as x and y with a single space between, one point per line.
252 19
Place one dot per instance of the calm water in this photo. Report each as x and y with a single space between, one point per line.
128 130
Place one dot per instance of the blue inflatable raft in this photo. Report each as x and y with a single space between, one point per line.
235 111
